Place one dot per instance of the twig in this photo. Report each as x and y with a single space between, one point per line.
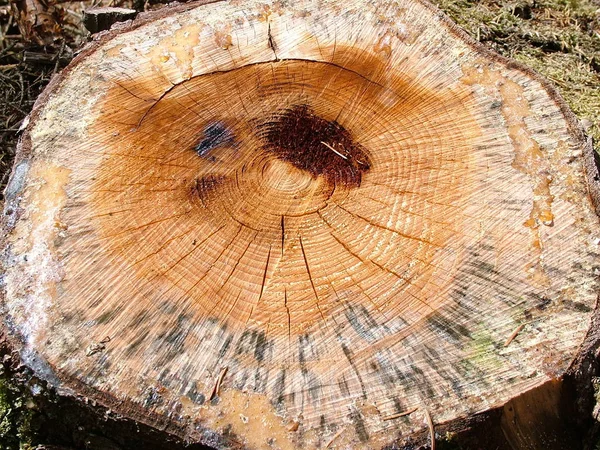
58 56
514 334
431 429
335 436
21 87
217 387
333 150
402 414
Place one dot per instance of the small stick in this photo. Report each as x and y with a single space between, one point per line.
514 334
402 414
333 150
430 425
217 388
335 436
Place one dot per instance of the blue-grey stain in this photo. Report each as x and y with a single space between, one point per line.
194 395
16 181
359 425
215 135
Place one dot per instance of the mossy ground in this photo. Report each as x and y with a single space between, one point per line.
558 38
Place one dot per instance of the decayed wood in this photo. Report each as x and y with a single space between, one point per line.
282 225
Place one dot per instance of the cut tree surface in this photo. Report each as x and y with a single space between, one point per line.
286 225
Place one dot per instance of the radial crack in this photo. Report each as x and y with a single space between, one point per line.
272 44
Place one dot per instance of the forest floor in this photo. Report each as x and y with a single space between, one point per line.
558 38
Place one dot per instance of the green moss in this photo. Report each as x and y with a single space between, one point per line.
482 350
560 39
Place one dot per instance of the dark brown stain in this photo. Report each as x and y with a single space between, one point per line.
322 140
318 146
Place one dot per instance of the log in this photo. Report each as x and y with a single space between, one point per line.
308 225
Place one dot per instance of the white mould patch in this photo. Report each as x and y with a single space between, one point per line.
31 280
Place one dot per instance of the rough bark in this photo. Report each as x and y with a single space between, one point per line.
396 221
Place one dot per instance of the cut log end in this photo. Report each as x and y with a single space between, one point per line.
102 18
300 226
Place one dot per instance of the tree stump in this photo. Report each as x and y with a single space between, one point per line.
311 225
101 19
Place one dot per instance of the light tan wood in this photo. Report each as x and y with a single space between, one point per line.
282 225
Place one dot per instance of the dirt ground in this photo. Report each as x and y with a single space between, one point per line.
558 38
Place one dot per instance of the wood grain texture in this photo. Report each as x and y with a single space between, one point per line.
273 225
